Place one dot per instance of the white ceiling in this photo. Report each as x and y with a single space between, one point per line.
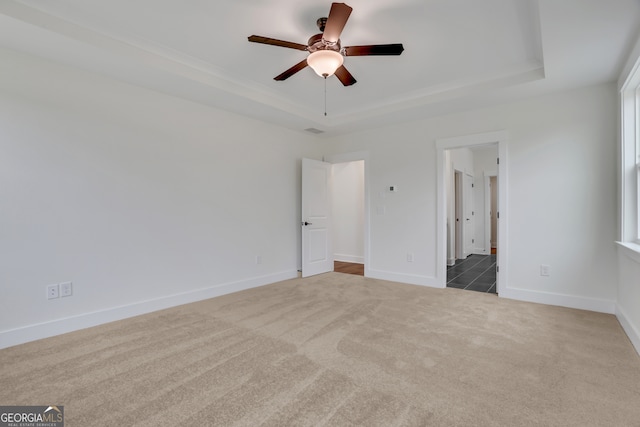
459 54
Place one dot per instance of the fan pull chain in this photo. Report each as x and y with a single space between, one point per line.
325 96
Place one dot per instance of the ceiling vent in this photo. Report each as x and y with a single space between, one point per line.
314 130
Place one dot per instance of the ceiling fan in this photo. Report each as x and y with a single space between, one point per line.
326 56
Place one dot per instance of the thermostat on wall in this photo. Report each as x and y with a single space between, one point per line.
393 188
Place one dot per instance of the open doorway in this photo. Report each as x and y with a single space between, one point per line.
471 265
350 212
475 156
319 186
347 193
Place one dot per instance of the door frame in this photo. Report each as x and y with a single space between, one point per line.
459 210
442 145
488 190
353 157
468 207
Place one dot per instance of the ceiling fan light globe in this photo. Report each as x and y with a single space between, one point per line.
325 62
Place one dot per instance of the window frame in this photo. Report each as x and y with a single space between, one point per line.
636 155
629 159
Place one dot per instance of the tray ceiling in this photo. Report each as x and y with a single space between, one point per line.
458 53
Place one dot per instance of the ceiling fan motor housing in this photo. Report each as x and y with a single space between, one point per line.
316 43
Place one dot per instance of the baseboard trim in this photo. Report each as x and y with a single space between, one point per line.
480 251
348 258
29 333
570 301
411 279
628 327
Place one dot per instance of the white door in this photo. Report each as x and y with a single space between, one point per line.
469 235
464 231
317 253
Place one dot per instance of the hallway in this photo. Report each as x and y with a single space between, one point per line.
475 273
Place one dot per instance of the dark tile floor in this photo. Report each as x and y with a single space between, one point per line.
475 273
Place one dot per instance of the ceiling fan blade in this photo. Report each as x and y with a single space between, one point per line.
345 76
374 49
336 21
276 42
291 71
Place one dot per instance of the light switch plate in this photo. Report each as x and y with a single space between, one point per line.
66 289
544 270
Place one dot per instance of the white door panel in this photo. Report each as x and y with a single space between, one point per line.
468 215
317 254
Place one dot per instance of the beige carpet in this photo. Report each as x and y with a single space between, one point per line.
340 350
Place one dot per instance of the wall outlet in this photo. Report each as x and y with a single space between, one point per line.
410 257
258 259
544 270
66 289
52 291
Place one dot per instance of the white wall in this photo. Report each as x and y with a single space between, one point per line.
628 308
348 211
141 200
145 201
462 160
561 194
